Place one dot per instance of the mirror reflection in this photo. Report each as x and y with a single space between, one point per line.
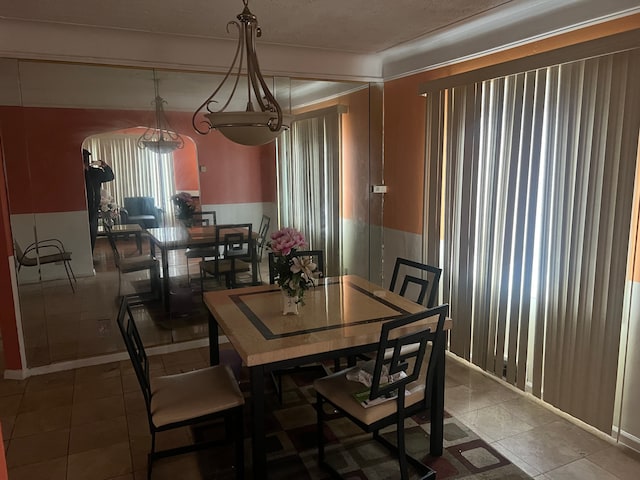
54 111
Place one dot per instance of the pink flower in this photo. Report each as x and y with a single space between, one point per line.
285 240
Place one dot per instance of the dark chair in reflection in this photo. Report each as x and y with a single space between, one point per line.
137 263
201 219
237 254
262 239
393 396
45 252
141 210
183 399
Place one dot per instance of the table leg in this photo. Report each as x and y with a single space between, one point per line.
437 400
258 441
214 346
139 242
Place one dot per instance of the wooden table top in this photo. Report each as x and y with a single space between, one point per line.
176 237
341 312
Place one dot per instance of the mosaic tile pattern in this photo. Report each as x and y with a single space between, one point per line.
292 449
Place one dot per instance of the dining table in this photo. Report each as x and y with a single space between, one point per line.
166 239
341 318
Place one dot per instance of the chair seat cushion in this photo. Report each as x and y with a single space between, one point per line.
224 266
340 390
184 396
137 263
135 218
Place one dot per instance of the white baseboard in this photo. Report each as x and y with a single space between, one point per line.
102 359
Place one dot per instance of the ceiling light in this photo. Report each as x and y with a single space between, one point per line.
249 127
160 139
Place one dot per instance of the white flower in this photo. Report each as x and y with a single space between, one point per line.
306 267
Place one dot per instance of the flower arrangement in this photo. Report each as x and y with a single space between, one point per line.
294 274
185 205
109 210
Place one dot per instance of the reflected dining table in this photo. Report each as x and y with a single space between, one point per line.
176 238
341 318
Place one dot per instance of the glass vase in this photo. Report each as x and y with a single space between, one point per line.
289 304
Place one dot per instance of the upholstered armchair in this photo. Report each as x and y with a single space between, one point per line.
141 210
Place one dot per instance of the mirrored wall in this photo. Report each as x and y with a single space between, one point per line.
49 112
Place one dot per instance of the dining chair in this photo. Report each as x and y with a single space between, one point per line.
413 280
276 375
202 219
236 241
58 253
136 263
401 385
416 281
191 398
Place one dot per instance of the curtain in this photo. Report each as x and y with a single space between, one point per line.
534 178
309 183
138 172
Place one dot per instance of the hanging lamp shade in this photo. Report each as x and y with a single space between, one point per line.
254 126
160 138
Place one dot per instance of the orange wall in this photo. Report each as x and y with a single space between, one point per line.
44 165
404 120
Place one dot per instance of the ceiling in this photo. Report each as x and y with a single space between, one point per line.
392 28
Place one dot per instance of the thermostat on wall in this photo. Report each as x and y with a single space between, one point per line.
379 188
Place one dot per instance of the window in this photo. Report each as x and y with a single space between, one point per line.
531 180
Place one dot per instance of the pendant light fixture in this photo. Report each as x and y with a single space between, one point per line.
161 138
251 126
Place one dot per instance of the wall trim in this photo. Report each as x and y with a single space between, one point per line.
102 359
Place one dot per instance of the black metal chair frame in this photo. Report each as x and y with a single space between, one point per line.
61 255
233 417
428 288
391 353
154 270
201 252
261 242
231 253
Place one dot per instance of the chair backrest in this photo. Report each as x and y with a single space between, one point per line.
236 246
405 352
140 206
263 231
416 277
135 348
243 237
205 218
316 255
21 258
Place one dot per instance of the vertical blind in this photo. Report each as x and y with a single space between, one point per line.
309 183
138 172
529 197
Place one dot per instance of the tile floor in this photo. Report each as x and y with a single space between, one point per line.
90 423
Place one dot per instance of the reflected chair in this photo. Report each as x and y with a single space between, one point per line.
318 259
202 219
136 263
416 281
237 255
174 401
261 242
56 253
392 397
